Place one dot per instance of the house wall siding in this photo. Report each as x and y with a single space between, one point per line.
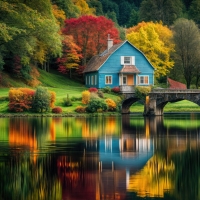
88 80
102 80
113 65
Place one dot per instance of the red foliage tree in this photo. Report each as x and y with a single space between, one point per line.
90 34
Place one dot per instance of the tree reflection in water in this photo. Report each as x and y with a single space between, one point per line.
100 158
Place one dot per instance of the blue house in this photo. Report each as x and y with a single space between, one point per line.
119 65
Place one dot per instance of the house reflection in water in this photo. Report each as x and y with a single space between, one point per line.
103 170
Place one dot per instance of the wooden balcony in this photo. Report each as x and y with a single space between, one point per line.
127 88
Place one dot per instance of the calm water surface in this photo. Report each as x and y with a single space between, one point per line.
124 157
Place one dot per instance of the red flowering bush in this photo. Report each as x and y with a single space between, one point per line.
57 110
115 89
93 90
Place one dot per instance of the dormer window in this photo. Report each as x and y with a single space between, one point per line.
127 60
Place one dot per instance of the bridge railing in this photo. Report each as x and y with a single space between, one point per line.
160 90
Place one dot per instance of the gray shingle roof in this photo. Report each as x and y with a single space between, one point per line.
97 61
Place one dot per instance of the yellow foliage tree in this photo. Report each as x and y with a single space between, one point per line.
83 7
155 41
59 15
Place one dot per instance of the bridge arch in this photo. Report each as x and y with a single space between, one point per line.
159 98
126 104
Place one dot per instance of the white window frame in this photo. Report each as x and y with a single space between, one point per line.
124 60
144 77
109 79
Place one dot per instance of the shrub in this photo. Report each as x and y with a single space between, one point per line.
111 104
67 101
57 110
76 98
100 94
52 98
96 104
94 95
42 100
142 91
107 89
85 97
20 99
115 89
93 90
80 109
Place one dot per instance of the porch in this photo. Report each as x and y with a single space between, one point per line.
127 88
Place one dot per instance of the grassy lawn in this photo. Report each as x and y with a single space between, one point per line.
58 83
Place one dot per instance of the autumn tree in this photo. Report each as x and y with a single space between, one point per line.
71 56
83 7
28 32
90 34
187 48
68 7
154 40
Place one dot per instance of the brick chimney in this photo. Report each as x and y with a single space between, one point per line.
110 42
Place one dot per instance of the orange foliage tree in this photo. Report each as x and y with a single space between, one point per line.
70 56
90 34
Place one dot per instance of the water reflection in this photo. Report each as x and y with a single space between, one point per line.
128 157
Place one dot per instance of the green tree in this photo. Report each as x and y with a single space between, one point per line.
166 11
187 48
28 31
41 102
194 11
68 7
134 17
97 5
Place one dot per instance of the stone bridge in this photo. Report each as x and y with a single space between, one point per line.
158 98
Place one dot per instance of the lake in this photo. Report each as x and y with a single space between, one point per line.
106 157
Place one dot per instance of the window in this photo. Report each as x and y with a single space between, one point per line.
143 80
108 79
127 60
92 80
86 78
95 79
124 80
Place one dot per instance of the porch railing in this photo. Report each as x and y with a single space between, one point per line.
127 88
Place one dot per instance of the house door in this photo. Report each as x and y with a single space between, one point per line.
130 80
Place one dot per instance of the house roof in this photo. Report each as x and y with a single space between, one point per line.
130 69
97 61
175 84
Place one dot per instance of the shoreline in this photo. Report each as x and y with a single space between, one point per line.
4 115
